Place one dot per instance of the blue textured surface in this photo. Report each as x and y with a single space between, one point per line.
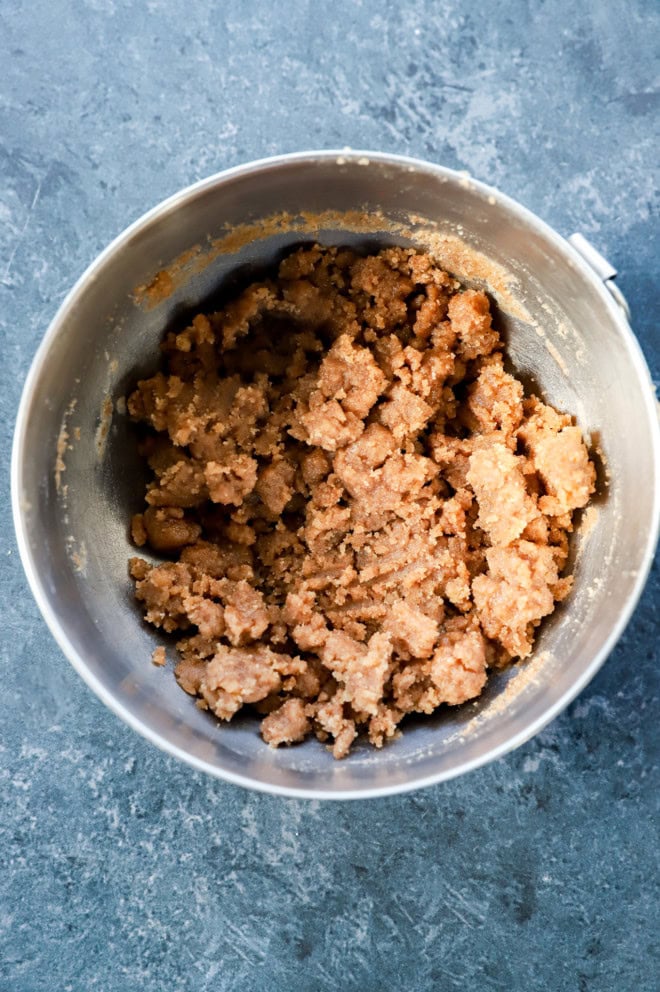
123 870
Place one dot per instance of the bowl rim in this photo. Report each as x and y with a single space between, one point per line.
170 205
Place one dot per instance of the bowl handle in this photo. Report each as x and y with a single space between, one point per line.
602 268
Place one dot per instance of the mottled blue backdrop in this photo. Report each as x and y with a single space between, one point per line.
123 870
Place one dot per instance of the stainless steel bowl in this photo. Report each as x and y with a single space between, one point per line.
76 477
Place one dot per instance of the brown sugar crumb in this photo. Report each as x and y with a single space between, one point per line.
497 480
158 657
287 724
359 510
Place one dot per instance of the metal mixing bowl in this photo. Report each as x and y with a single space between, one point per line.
76 477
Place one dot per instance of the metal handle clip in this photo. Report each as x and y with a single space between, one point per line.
602 268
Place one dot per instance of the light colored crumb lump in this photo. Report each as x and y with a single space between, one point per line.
360 512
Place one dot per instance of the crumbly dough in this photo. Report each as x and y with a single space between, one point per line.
361 512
